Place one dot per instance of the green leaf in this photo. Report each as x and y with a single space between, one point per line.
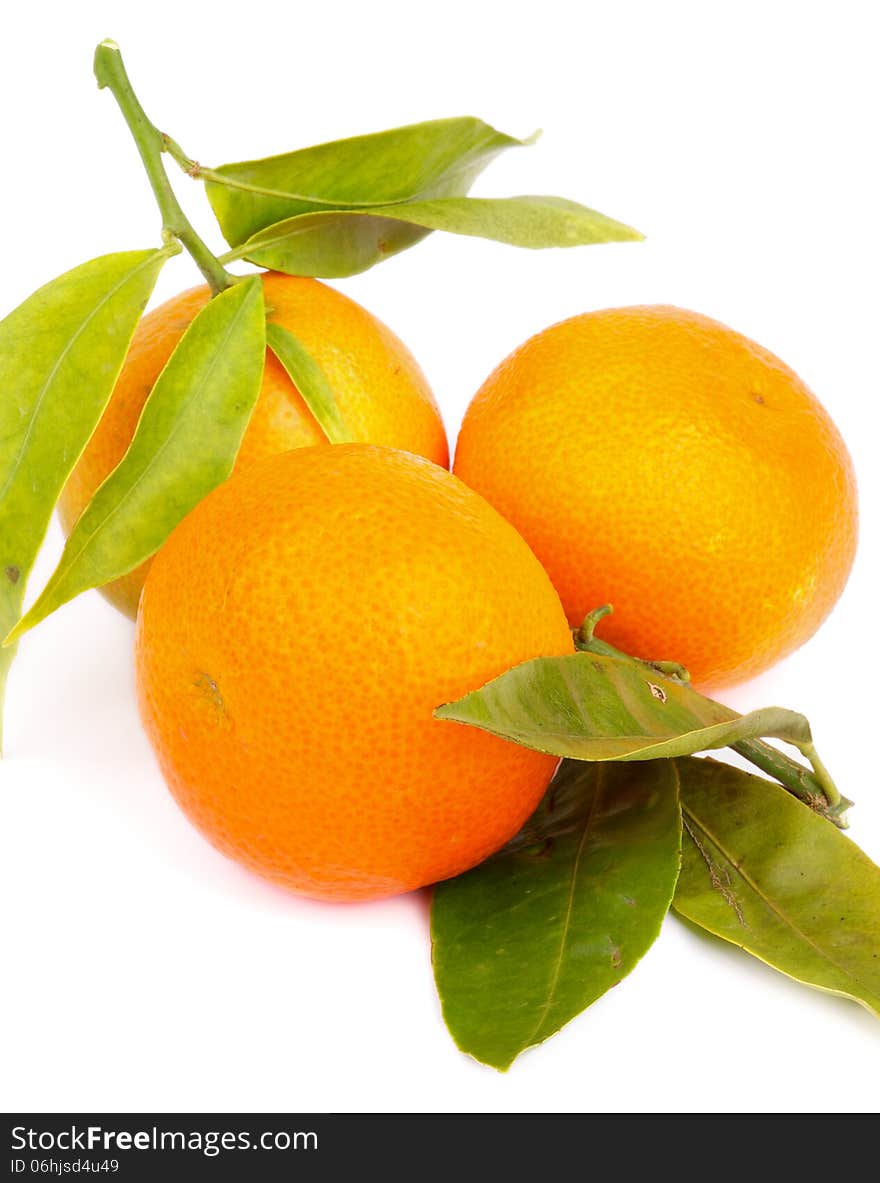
587 706
336 243
439 158
527 940
310 380
185 444
60 354
762 871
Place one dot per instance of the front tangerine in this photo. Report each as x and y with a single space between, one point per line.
296 633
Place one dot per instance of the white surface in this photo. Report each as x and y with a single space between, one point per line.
141 969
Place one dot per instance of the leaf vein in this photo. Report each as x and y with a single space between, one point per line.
566 925
767 901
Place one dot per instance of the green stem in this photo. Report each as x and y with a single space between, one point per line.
797 779
110 73
585 632
823 776
585 639
815 788
812 786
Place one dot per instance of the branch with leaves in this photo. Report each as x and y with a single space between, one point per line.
633 823
331 210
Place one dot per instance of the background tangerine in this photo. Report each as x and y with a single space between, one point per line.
660 461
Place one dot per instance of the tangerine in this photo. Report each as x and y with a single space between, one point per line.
295 634
660 461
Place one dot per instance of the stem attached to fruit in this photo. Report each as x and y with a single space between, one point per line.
110 73
812 786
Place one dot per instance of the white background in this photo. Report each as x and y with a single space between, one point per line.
144 971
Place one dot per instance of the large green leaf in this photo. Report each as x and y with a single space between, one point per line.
527 940
762 871
439 158
60 353
185 444
335 243
588 706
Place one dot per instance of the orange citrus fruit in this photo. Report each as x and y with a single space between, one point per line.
658 460
295 634
381 393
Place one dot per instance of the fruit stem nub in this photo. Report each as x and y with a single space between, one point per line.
111 73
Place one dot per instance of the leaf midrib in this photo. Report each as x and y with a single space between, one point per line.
479 149
566 924
526 738
781 916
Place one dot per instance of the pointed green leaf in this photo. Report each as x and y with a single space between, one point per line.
336 243
60 354
764 872
185 444
587 706
435 159
533 936
310 380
